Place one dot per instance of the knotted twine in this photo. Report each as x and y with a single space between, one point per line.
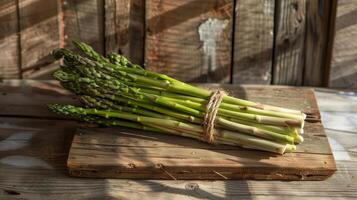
210 116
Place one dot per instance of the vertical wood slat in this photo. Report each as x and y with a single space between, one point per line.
117 18
39 35
124 28
289 42
189 40
330 41
253 42
82 20
317 28
137 31
343 72
9 40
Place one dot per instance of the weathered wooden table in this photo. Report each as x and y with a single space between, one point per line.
34 147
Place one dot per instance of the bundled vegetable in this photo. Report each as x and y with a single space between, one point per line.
116 92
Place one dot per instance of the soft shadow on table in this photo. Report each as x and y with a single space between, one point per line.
193 188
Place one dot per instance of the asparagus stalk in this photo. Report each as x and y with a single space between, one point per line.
221 121
176 126
196 109
225 137
151 78
107 104
231 125
115 122
119 92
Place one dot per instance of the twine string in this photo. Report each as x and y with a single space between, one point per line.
210 116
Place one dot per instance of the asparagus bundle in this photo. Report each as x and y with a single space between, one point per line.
116 92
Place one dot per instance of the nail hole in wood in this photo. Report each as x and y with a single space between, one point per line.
11 192
295 6
192 186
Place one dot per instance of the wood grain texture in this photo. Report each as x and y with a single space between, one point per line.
253 42
330 41
115 154
9 40
117 20
289 42
317 28
30 98
82 20
137 32
52 138
344 61
124 28
39 36
189 40
111 153
56 184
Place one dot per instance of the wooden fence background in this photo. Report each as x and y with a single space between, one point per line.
228 41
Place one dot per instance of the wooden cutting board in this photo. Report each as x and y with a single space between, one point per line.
123 153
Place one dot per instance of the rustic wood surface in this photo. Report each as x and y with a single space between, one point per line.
344 60
189 40
9 40
124 28
117 18
112 153
133 154
33 153
289 42
257 41
253 41
82 20
318 16
37 95
39 34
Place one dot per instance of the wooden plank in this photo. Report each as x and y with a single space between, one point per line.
9 40
331 100
124 28
121 154
39 36
82 20
30 98
37 182
117 19
28 139
330 42
190 159
137 32
343 72
189 40
339 115
56 184
316 41
289 42
253 42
